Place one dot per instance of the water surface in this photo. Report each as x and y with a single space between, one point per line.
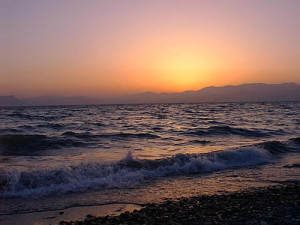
58 157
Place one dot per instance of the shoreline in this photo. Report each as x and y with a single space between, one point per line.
278 204
51 217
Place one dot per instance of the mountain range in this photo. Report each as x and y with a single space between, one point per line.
254 92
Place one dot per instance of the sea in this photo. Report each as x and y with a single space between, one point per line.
63 162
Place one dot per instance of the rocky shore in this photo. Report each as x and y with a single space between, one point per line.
273 205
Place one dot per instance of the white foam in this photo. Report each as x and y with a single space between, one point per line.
126 173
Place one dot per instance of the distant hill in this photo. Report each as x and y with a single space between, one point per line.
256 92
45 100
10 101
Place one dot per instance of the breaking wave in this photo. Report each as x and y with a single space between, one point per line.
130 171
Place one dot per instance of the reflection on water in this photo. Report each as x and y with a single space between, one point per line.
150 131
78 155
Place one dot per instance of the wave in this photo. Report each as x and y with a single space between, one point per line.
32 116
20 115
131 135
201 142
125 173
55 126
130 171
281 147
9 131
296 140
226 130
110 135
295 165
19 144
277 147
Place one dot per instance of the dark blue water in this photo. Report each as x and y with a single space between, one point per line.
48 151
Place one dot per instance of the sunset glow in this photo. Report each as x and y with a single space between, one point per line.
149 112
100 48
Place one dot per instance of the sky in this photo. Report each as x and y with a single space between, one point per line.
106 48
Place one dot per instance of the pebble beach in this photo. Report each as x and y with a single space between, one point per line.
278 204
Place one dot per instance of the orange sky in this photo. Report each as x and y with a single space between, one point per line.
106 47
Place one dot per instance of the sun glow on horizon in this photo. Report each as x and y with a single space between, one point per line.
101 48
181 64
